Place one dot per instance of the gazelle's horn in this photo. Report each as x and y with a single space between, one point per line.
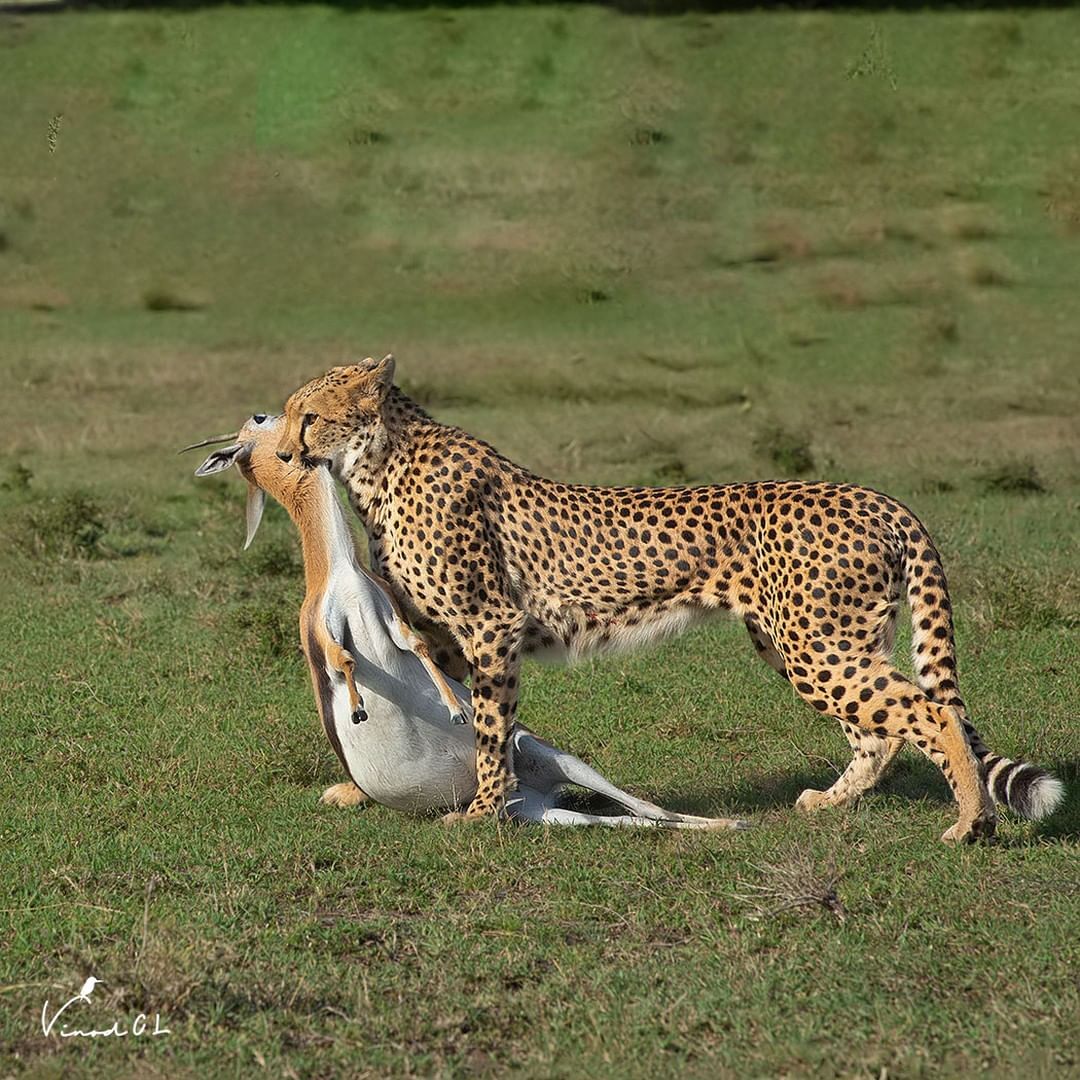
256 500
210 442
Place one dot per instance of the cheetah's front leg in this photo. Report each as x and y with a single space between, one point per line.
495 651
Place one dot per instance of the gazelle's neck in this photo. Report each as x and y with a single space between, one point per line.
325 536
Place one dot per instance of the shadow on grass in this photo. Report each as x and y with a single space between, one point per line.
916 780
1064 824
912 779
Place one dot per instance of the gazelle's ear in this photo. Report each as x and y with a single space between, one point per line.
223 458
256 500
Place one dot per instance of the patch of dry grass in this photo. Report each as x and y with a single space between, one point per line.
799 883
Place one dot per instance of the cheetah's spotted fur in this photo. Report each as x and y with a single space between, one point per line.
510 563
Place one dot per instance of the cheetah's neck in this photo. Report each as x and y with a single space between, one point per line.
369 466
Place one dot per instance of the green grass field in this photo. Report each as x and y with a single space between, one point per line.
623 250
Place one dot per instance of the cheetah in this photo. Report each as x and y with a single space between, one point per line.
506 563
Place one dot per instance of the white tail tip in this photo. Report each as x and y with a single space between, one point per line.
1045 796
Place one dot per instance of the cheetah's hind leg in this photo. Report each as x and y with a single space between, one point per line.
887 705
871 756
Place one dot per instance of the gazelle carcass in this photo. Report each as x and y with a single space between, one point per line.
398 725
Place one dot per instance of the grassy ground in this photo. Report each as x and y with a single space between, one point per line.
624 250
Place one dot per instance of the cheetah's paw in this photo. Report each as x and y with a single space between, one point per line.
470 814
971 832
811 800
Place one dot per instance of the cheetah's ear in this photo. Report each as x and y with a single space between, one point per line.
382 375
371 379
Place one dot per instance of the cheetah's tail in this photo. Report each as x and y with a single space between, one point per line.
1024 788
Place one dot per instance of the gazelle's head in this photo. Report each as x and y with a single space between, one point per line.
340 410
253 450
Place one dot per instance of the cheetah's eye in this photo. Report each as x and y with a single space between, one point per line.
310 418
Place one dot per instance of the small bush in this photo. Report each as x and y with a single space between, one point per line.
1021 602
644 136
788 451
272 557
165 299
669 472
798 884
68 526
16 478
593 296
942 327
368 137
1014 478
988 274
268 626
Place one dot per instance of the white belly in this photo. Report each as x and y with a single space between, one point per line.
405 761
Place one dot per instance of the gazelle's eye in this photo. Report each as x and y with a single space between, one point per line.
259 417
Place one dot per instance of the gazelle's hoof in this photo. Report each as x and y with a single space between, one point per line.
460 717
359 715
347 794
811 800
971 832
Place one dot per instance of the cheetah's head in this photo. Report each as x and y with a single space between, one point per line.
337 411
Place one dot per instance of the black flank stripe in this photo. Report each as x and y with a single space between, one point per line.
1020 796
326 699
1002 781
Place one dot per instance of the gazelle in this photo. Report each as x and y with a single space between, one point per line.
399 726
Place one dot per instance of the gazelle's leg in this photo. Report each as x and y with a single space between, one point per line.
342 662
405 637
444 650
543 767
557 815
